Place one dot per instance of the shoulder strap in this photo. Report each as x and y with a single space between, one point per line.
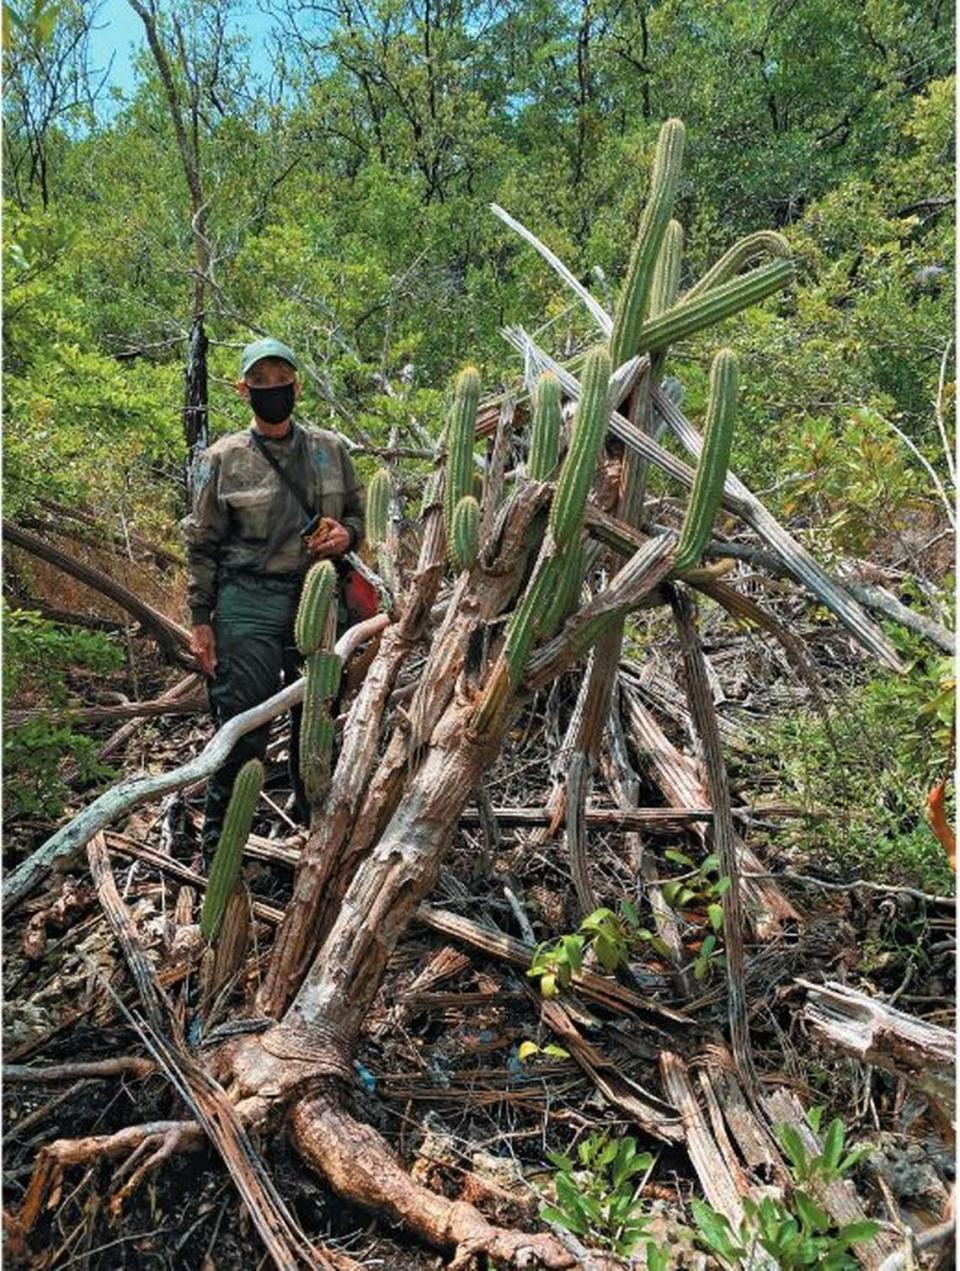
290 482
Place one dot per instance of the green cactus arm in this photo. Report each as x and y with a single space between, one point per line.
589 429
465 533
315 607
714 460
324 671
379 494
764 242
690 316
564 597
545 436
632 304
233 837
461 434
666 275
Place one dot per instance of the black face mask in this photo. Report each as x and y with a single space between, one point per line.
273 405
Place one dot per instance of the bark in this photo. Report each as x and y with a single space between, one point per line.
873 1032
359 1166
104 714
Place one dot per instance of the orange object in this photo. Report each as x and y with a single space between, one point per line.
937 816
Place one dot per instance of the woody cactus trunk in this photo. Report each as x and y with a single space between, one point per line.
510 622
499 603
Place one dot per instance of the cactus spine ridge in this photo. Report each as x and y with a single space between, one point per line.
461 433
690 316
666 274
379 494
313 611
233 837
570 576
465 533
763 242
316 724
589 429
714 460
631 306
545 437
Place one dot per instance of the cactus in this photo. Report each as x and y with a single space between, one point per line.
666 275
465 533
545 438
461 431
764 241
714 460
690 316
563 599
316 725
631 307
316 605
379 494
226 860
589 430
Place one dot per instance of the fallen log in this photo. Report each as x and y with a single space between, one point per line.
104 714
177 693
173 639
924 1054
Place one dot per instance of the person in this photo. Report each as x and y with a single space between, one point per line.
246 557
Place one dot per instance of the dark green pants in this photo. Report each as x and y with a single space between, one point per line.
256 655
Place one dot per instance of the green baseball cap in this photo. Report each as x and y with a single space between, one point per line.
267 347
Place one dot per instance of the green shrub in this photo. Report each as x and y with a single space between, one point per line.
867 795
37 658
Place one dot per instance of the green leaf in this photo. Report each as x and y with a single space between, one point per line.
793 1146
856 1232
680 858
715 914
569 1222
814 1117
810 1213
832 1146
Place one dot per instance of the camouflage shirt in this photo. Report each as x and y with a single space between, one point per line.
245 520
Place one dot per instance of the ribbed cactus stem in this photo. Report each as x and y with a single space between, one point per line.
632 305
567 589
461 433
690 316
666 275
379 495
465 533
316 604
714 460
526 623
225 869
324 670
589 429
765 242
545 437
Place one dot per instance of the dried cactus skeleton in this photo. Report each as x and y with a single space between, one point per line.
509 619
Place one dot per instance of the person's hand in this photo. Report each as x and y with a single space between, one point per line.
203 646
330 538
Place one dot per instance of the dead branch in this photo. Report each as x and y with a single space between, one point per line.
875 1033
173 639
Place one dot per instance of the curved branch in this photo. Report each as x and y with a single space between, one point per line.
132 791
